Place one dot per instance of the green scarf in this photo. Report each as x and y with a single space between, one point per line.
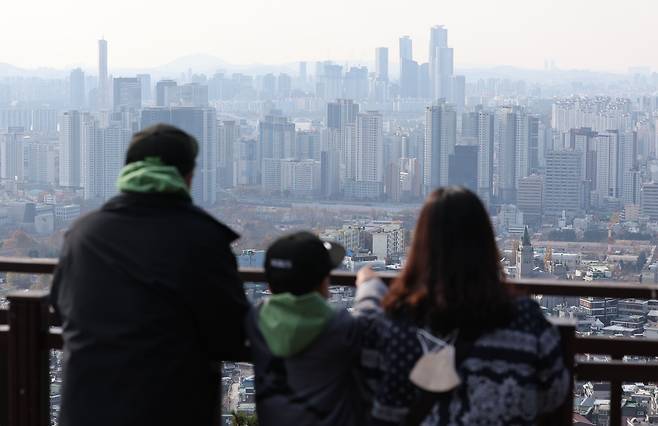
151 176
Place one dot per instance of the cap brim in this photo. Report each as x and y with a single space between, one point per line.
336 253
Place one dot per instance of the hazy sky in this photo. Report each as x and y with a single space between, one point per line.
594 34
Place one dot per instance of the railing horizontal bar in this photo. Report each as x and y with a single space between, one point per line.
561 288
616 346
616 371
617 290
27 265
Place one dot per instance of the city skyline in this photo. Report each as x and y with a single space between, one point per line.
270 32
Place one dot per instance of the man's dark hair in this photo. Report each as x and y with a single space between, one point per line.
170 144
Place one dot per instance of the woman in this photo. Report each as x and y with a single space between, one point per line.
453 292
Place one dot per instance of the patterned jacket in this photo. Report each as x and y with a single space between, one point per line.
510 376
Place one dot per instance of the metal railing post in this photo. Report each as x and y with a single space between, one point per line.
28 353
615 399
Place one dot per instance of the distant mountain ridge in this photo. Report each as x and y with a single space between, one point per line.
210 64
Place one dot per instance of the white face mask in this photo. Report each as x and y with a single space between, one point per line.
436 370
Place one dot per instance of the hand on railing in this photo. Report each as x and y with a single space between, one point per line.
365 274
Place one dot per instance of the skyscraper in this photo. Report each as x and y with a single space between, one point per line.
440 63
193 95
463 167
127 93
381 63
331 81
563 185
229 134
166 92
408 69
406 48
341 119
458 94
512 140
530 199
103 82
485 138
77 89
607 167
629 170
276 136
145 84
356 83
379 84
103 148
424 81
440 140
69 150
370 148
91 158
12 148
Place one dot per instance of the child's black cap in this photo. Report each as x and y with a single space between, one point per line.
297 263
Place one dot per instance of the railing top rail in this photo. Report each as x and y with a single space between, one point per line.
27 265
545 287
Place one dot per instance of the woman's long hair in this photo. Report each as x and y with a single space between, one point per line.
453 276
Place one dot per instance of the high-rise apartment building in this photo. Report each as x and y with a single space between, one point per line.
441 63
276 136
381 63
40 162
193 95
103 148
463 167
370 149
12 147
228 135
530 199
166 93
69 149
649 200
485 141
563 185
127 93
145 84
356 83
103 79
440 141
341 133
408 69
77 89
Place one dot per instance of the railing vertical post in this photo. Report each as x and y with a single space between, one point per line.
4 380
568 335
29 383
615 399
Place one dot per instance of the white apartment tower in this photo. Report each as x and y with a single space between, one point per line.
440 141
370 147
69 149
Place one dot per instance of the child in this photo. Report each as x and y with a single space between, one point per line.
305 353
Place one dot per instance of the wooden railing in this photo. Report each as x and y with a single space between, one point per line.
28 331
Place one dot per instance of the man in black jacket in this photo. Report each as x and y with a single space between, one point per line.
149 296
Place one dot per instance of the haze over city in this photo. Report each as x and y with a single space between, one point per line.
602 35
